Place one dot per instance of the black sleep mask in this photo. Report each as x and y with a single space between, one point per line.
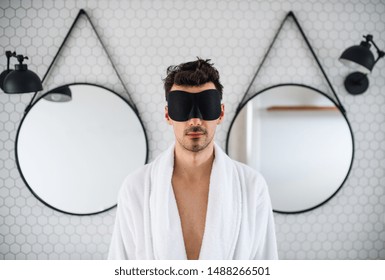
205 105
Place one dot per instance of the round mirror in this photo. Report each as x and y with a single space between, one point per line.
299 140
75 155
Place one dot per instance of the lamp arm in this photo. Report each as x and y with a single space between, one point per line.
377 48
9 54
380 53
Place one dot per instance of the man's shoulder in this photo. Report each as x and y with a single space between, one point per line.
138 175
251 179
140 180
248 176
246 170
136 181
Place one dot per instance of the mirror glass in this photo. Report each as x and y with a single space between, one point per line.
75 155
299 140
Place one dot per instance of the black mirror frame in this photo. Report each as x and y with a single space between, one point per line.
239 109
17 158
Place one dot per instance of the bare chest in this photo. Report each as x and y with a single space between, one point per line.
192 199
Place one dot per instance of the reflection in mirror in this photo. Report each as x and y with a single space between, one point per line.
299 140
75 155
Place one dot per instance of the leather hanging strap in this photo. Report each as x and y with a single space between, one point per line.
83 12
291 14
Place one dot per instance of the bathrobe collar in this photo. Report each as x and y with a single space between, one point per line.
223 216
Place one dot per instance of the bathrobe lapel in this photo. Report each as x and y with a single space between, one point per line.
164 216
223 216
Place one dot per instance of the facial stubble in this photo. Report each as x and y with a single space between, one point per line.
197 144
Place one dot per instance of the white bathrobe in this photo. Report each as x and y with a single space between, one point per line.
239 220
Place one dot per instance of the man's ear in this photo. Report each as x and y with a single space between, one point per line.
166 116
222 115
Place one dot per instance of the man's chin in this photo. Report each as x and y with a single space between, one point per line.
196 147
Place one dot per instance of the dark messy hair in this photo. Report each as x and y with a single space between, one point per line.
193 73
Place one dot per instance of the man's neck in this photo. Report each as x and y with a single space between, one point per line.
193 164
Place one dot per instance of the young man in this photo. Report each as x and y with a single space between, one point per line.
193 201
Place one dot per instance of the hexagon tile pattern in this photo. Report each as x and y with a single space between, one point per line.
143 38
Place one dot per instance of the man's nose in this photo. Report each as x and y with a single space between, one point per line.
195 122
195 112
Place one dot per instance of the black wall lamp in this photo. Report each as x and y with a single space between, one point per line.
20 80
361 58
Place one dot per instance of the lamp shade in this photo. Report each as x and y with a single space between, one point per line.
3 75
359 57
59 94
21 80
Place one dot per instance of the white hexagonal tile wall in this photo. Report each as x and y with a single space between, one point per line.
143 38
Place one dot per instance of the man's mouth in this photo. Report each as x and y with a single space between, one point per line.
195 132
